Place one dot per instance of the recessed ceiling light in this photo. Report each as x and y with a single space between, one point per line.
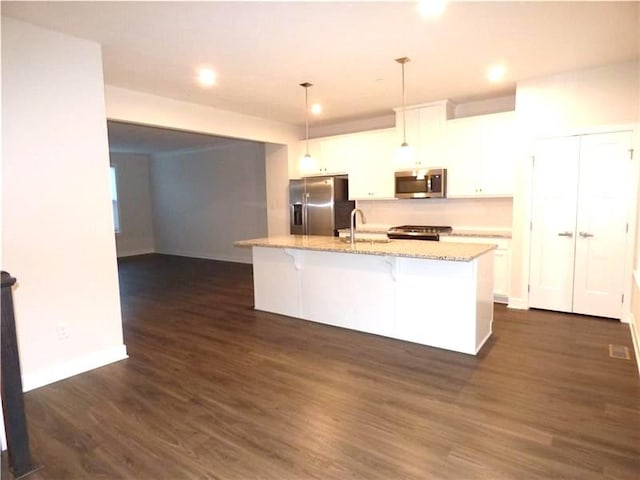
432 8
206 77
496 74
316 109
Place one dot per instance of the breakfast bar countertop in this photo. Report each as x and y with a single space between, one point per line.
456 232
458 252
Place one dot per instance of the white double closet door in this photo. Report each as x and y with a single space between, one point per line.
581 188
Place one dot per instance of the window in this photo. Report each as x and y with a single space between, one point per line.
114 198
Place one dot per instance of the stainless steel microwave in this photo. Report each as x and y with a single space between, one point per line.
421 183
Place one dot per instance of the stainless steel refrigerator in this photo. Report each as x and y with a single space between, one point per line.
319 205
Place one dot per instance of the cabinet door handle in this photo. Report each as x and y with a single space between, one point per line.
566 234
586 235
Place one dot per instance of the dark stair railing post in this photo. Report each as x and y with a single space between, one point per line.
15 422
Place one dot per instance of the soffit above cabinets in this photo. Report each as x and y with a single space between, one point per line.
145 140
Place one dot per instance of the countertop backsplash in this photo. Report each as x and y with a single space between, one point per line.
490 214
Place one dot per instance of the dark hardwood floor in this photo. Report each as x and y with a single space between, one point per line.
214 389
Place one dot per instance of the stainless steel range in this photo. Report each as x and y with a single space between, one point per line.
418 232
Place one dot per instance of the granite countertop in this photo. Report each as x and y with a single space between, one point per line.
457 232
479 233
381 229
458 252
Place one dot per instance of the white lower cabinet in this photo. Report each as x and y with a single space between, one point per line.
501 262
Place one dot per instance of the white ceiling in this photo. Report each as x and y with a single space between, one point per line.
263 50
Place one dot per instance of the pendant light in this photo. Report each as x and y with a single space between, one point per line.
307 162
405 152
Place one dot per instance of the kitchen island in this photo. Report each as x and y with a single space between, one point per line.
437 294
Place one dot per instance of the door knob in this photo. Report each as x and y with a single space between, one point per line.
565 234
586 235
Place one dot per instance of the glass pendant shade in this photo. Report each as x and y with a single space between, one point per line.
307 163
405 155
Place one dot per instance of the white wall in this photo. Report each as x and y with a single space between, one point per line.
277 158
569 103
485 107
485 213
388 120
57 227
579 100
134 204
635 291
136 107
351 126
205 200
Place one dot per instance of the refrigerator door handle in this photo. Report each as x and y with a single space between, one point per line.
305 215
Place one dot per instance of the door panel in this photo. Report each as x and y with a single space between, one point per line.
603 189
553 223
319 198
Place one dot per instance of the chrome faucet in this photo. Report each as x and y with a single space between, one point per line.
353 224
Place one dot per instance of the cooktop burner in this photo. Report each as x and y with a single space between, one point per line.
418 232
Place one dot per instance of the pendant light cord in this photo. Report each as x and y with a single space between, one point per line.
306 114
402 61
404 110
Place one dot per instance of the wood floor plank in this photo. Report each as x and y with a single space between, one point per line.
213 389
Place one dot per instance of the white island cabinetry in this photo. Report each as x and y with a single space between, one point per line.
424 292
333 294
501 260
464 298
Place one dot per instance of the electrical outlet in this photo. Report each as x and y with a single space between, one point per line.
62 331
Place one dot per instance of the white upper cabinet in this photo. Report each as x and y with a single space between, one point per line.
336 153
481 152
372 165
367 157
425 134
329 153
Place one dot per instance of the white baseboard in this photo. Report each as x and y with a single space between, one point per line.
500 299
484 340
131 253
517 303
73 367
222 258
